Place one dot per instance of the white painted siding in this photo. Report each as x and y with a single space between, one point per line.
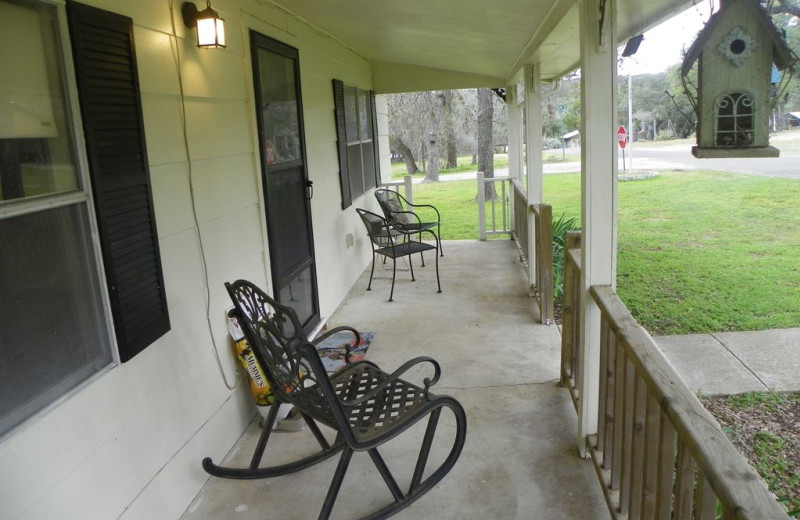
129 445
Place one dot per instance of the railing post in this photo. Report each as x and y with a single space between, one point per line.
481 207
409 189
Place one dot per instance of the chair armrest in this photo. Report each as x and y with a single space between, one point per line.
347 347
427 382
438 217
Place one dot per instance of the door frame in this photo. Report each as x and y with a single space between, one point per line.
258 41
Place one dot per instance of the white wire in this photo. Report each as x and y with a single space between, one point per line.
177 56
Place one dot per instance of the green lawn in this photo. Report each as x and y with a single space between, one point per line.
698 251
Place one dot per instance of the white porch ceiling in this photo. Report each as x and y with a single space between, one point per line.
428 44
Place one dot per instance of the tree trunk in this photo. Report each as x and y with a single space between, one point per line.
432 174
450 130
408 158
433 160
485 155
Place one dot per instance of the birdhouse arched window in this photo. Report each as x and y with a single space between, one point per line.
735 117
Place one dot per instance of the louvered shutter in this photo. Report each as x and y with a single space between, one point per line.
108 87
375 139
341 142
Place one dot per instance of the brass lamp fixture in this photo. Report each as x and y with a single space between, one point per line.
210 28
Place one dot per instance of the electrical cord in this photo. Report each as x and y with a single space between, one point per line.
177 57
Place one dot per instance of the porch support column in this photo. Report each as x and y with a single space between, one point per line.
533 158
514 134
598 193
514 151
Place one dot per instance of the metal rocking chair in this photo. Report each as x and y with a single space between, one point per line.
405 216
364 405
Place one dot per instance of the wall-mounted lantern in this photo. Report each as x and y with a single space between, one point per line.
734 91
210 28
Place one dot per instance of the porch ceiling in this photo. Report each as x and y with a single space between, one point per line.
422 45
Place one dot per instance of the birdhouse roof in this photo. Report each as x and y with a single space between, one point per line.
782 55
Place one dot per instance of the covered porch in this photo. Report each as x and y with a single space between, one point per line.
520 459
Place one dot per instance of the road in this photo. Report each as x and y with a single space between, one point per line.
679 157
675 157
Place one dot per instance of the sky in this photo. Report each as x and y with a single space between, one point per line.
664 45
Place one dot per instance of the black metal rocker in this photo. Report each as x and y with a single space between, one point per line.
364 405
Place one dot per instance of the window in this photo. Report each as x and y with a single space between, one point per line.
735 120
358 150
55 325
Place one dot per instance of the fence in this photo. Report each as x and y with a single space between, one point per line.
503 203
405 183
658 452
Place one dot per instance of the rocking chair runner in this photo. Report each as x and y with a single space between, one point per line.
364 405
403 215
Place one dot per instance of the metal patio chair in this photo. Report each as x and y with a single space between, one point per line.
364 405
404 215
393 242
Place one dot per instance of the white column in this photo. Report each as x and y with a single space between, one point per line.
598 192
533 160
514 134
514 149
533 118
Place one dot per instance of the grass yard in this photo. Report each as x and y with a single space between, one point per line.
698 251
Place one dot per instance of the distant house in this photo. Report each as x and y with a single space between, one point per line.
793 118
572 139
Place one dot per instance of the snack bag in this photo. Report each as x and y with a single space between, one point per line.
259 387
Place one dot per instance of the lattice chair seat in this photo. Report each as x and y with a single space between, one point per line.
363 404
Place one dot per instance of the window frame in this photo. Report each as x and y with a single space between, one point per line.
348 149
81 196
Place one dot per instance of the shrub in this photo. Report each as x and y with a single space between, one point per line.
560 228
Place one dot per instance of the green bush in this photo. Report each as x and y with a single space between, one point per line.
560 228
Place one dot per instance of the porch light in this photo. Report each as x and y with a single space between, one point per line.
210 27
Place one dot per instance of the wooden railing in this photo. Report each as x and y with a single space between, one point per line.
520 218
543 224
571 314
540 270
502 199
659 454
406 183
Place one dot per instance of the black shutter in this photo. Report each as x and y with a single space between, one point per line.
375 139
341 143
108 88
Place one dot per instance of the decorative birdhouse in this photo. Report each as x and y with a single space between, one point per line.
734 93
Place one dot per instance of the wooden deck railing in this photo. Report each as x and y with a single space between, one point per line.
520 218
659 454
541 274
543 249
571 314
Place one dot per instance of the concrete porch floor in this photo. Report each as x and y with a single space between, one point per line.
519 461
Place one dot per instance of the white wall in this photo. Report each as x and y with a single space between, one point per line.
129 444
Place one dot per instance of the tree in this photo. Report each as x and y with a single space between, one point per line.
434 124
407 125
450 130
484 139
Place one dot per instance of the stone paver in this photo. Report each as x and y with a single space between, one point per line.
736 362
706 366
773 355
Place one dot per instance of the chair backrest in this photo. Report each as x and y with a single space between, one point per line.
393 206
378 228
275 335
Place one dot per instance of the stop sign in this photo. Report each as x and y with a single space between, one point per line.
622 136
